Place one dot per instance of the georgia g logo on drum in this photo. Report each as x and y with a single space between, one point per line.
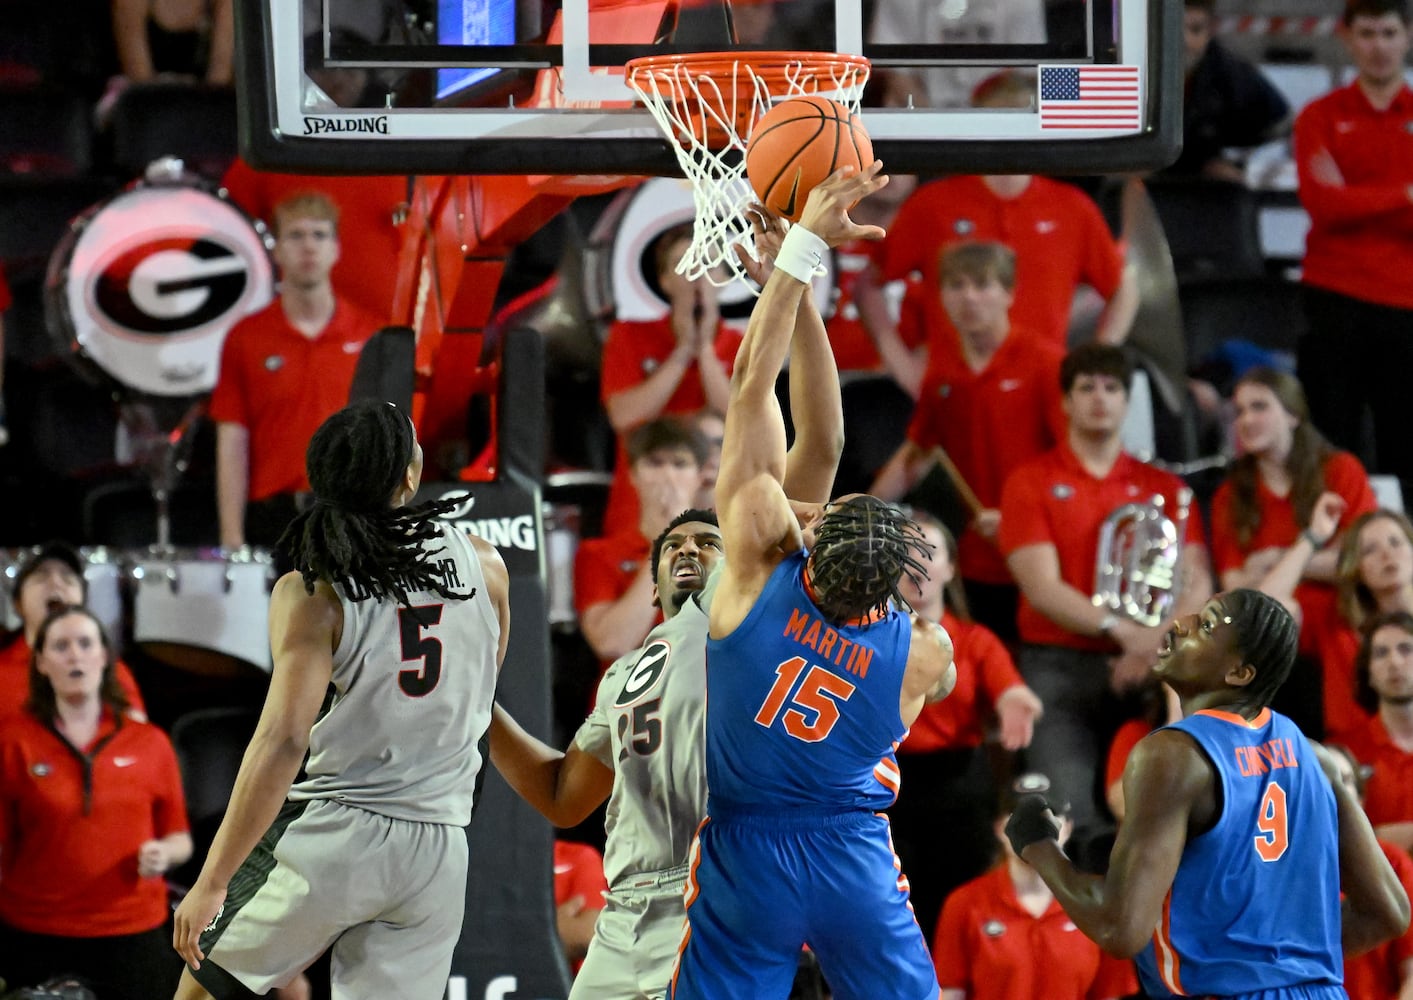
154 278
171 285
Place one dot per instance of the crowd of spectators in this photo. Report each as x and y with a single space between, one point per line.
968 306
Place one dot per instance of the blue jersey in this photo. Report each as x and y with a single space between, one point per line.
1255 903
801 713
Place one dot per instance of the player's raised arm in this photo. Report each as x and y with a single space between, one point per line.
755 515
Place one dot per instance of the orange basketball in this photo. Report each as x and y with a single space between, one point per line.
796 145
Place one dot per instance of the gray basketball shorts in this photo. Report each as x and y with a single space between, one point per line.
634 949
386 894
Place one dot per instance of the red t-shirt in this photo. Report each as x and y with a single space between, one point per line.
578 871
281 385
632 352
990 946
1388 795
1054 500
1060 239
14 680
1336 646
1278 529
984 670
370 238
989 422
1360 241
71 865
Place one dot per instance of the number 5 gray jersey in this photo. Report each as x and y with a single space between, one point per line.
648 724
410 698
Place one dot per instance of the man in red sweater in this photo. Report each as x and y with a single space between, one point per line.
1354 151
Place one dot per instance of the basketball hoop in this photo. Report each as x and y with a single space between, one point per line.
707 103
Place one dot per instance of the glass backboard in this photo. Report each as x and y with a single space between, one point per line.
537 86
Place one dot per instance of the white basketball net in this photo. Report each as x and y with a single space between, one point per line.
699 101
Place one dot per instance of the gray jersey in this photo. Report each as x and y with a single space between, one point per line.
412 691
648 724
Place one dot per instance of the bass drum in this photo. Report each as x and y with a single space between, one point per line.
143 288
620 275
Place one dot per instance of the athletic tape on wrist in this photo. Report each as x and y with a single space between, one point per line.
802 255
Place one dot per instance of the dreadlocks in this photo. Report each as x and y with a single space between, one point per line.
1267 637
352 535
863 546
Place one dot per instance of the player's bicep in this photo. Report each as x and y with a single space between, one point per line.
756 522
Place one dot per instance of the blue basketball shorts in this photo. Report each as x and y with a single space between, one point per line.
763 885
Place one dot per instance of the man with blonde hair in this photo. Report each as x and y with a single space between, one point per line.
283 371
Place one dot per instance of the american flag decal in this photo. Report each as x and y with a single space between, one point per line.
1092 97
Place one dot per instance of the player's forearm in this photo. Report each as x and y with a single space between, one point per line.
817 407
531 768
1082 897
767 341
266 773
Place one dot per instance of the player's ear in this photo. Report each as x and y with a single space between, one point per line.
1241 675
657 600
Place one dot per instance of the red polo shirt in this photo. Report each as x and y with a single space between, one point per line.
14 679
578 871
1378 974
1053 499
1388 796
632 352
1278 529
281 385
854 350
989 422
1360 241
984 670
70 861
1060 239
370 236
990 946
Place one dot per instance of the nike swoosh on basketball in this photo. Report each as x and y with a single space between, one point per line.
789 207
124 761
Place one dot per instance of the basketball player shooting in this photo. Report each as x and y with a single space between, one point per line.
814 677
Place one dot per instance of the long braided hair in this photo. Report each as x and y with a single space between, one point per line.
352 535
862 548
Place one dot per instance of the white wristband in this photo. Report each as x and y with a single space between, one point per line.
802 255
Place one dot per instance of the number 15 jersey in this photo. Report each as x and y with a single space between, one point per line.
801 713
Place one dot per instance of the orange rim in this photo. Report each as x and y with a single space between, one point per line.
774 68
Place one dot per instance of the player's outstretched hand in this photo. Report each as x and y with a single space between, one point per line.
826 211
768 231
1031 822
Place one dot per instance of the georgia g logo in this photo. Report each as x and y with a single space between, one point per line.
170 285
645 673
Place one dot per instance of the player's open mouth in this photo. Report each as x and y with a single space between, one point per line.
687 569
